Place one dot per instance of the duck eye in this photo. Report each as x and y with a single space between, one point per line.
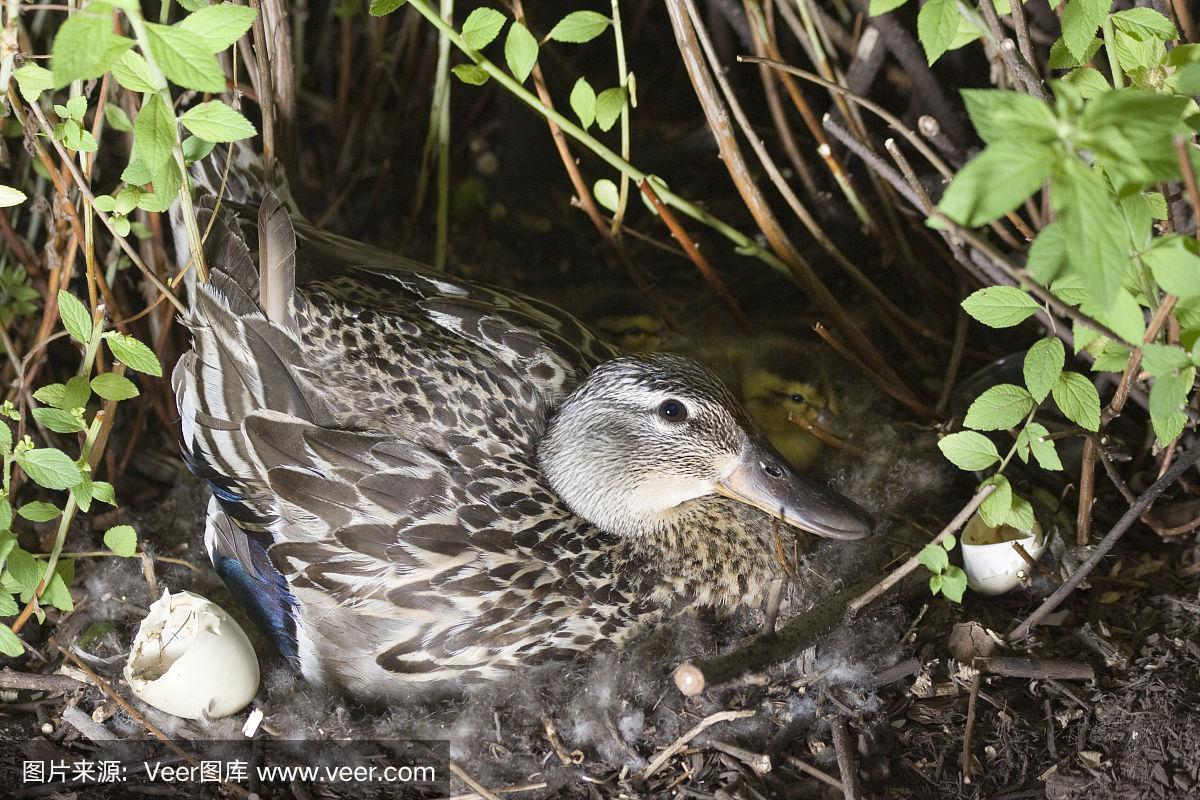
673 411
797 398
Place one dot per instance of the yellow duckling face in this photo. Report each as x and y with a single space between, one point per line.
774 400
635 333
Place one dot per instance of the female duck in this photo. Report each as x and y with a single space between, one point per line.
420 483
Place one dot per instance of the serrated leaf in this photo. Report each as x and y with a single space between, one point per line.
1009 116
954 584
83 494
185 58
1080 19
996 506
10 643
1167 397
6 442
937 25
1043 364
1093 224
1000 306
133 73
39 511
520 51
219 26
999 407
32 80
1078 400
997 181
133 354
1145 23
969 450
1048 256
216 122
58 420
50 468
583 102
1125 317
381 8
112 386
1041 447
933 558
74 394
1020 516
103 491
154 135
85 45
56 593
579 27
121 539
878 7
8 607
608 107
1162 359
473 74
481 27
24 570
1175 264
75 317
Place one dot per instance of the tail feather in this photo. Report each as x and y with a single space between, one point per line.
276 263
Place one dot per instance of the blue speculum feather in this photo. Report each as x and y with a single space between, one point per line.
265 597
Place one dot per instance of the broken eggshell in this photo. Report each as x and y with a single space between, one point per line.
191 659
992 564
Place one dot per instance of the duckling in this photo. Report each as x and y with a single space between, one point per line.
421 483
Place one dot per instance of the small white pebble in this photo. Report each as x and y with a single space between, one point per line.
47 729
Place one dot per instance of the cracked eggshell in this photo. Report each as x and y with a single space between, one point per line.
191 659
992 565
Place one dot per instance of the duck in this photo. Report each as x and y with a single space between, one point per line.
421 484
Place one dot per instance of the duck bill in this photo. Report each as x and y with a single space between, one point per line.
764 480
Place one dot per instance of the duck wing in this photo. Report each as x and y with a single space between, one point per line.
370 441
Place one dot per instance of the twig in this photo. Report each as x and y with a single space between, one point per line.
707 270
912 563
969 728
1145 500
665 755
524 787
34 682
820 775
847 764
823 435
897 393
475 785
1034 563
1036 668
760 763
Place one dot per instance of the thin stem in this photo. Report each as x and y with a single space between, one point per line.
623 79
1110 49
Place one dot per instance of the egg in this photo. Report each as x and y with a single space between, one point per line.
191 659
992 565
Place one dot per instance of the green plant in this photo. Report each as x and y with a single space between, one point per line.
951 581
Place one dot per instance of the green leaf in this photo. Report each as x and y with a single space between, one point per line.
195 148
59 420
969 450
482 27
57 594
10 197
935 583
121 539
1092 222
83 494
1080 20
24 570
608 107
879 7
1000 306
473 74
185 58
933 558
937 25
583 102
167 182
85 45
579 27
1167 397
949 542
1145 23
103 491
1130 133
1043 364
6 444
1162 359
1009 116
1020 516
50 468
154 135
133 73
996 181
1175 264
996 506
32 80
1112 357
133 353
998 408
381 8
1089 82
74 394
219 26
112 386
954 584
8 608
116 118
10 644
606 194
1078 400
1033 440
1125 317
520 51
216 122
75 317
39 511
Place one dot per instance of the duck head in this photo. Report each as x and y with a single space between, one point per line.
645 434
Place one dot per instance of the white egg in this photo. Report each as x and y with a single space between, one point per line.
191 659
992 565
